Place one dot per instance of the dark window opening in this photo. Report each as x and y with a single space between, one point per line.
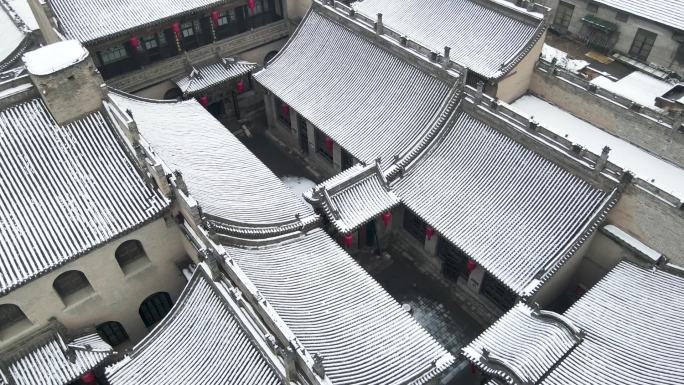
264 12
112 333
454 260
130 255
12 320
414 225
347 160
154 308
303 134
592 7
72 286
497 292
642 44
269 56
621 16
283 112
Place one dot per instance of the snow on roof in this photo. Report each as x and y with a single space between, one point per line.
204 339
637 87
354 197
204 77
338 311
54 57
474 188
484 36
667 12
49 359
632 243
662 174
92 20
227 180
66 190
369 101
633 334
12 37
562 60
540 337
23 10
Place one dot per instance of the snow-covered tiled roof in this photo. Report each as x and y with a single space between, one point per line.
65 190
369 101
513 211
204 77
354 197
634 334
50 360
523 344
488 37
667 12
338 311
14 38
231 185
204 339
93 20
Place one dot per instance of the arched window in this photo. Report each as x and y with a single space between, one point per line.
112 332
12 320
154 308
174 93
269 56
130 255
72 287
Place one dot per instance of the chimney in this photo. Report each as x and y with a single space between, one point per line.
379 27
66 79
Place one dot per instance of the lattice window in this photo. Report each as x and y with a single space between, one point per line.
643 43
112 332
154 308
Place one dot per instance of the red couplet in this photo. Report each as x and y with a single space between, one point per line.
387 217
429 232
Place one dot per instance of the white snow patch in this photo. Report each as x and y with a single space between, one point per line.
298 184
637 87
10 36
15 90
644 165
562 60
633 243
21 7
54 57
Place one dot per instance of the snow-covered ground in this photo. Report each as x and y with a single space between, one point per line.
298 184
644 165
637 87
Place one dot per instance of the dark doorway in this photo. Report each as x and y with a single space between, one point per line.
303 134
370 233
217 109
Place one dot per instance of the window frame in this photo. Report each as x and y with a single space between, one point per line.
113 333
562 14
154 308
592 7
106 54
641 40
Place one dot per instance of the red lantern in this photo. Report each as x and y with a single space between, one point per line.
251 4
471 265
285 110
134 41
387 218
329 143
215 17
175 27
348 240
429 232
204 100
88 378
240 87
